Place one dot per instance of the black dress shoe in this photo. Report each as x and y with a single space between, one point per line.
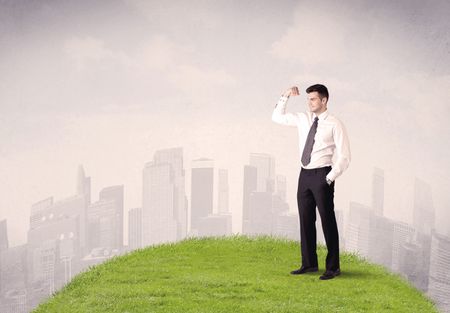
303 270
330 274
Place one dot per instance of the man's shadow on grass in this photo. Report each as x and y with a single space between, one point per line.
351 274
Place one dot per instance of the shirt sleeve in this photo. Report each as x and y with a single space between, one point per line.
280 116
342 150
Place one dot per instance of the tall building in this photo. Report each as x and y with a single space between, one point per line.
49 220
3 235
281 187
439 281
414 260
280 214
378 191
202 191
223 195
115 194
13 271
265 167
56 241
288 226
424 214
53 243
4 245
105 225
44 264
39 212
83 185
135 228
402 233
358 228
381 240
174 157
159 222
261 217
410 262
249 187
164 209
279 206
264 196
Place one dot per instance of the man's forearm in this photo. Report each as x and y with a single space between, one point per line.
343 152
279 114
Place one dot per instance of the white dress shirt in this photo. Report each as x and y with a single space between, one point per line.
330 137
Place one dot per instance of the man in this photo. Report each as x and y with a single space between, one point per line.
321 136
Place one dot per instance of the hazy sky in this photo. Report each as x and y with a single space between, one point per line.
107 83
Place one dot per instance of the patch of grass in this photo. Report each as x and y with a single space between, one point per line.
233 274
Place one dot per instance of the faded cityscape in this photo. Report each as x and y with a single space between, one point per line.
128 123
69 235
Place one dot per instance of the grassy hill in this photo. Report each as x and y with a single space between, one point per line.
233 274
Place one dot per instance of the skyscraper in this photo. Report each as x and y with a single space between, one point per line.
135 228
358 228
84 193
223 195
281 187
378 191
202 187
414 260
3 236
265 167
424 214
439 282
159 222
288 226
116 194
381 240
410 261
54 240
83 185
104 225
3 247
249 187
164 209
13 271
402 233
261 217
174 157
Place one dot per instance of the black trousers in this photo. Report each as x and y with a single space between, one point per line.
313 190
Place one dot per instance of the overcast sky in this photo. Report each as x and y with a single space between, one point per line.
107 83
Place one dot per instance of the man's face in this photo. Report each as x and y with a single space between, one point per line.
316 104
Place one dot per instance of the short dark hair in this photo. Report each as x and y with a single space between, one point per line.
321 90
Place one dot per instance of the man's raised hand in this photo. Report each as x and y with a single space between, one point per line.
293 91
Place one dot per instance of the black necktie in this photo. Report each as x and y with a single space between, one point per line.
306 156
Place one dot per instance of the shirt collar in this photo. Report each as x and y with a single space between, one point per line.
321 116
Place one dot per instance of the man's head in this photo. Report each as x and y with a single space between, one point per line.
317 98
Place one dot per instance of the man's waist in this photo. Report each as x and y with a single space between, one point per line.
323 168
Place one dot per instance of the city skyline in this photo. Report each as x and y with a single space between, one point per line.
68 235
237 226
263 164
112 81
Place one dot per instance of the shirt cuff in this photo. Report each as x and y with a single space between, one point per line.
331 176
282 101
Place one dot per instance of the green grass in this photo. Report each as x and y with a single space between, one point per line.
233 274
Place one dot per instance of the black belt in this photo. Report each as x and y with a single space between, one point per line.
316 169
